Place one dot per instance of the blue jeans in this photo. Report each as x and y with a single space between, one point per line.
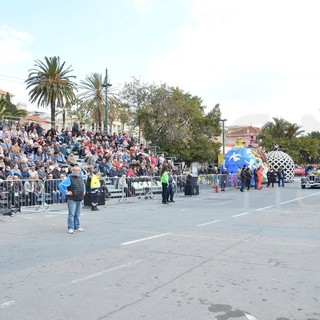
281 182
73 214
170 192
55 195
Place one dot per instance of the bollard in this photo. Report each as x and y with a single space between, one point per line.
217 188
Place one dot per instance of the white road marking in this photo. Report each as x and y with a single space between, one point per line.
210 222
249 317
220 203
97 274
264 208
240 214
7 304
309 195
144 239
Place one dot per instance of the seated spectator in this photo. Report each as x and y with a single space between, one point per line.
130 172
68 139
7 172
41 172
56 172
61 159
71 159
2 164
103 166
25 173
16 171
33 189
33 171
64 149
15 149
51 187
30 162
113 172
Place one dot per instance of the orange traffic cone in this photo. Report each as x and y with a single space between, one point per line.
217 188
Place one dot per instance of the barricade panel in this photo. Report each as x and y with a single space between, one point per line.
43 194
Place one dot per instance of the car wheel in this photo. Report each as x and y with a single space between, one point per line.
303 187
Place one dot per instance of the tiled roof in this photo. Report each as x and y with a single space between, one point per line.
3 93
244 130
34 119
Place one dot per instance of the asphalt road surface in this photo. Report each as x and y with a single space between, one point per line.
227 255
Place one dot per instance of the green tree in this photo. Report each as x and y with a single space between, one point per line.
314 134
288 136
136 95
80 112
51 85
306 150
94 97
8 104
124 114
175 121
11 112
293 131
279 132
113 106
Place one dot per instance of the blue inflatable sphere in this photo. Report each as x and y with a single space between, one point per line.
238 157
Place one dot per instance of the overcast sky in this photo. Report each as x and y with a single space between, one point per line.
257 59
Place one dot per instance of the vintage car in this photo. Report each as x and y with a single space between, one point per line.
311 180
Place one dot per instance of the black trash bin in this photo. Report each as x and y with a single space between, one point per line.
101 197
192 186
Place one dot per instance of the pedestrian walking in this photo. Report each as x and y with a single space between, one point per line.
74 188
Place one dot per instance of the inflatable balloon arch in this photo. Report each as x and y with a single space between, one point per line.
253 157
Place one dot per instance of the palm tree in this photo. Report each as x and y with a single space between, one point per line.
293 130
51 84
314 134
10 113
93 96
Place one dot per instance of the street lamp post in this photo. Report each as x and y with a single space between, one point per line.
223 138
106 109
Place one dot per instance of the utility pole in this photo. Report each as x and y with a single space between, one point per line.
106 109
223 138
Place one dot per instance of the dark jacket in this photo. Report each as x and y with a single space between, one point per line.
75 184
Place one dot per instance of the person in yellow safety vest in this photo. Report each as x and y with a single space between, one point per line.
95 186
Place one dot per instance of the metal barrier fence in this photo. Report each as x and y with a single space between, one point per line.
223 181
16 193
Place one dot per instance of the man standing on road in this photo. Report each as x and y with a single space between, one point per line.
281 176
95 187
243 178
74 188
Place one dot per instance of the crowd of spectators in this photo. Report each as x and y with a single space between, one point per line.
29 151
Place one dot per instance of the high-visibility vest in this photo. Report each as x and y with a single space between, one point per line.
95 181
